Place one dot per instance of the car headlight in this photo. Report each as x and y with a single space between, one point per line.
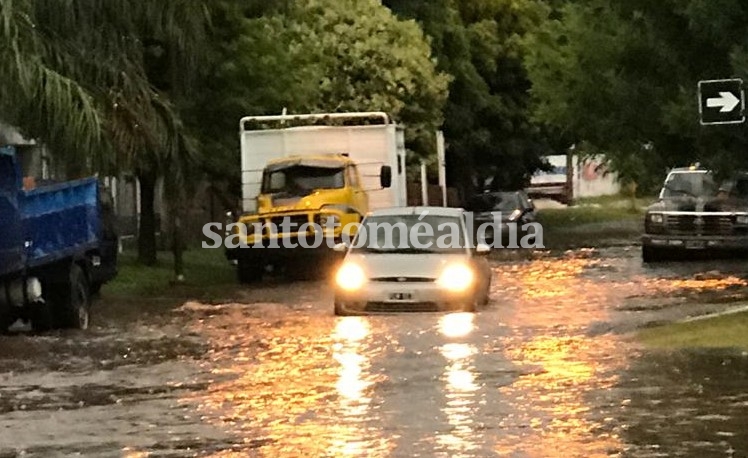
741 219
456 278
350 277
516 214
656 218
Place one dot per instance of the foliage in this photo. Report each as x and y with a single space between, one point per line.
621 75
76 75
488 132
328 56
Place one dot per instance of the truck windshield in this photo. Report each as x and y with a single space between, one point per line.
689 184
410 234
301 180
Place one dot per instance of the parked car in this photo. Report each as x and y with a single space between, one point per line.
396 272
511 208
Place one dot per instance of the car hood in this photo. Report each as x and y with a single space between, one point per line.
489 216
383 265
691 204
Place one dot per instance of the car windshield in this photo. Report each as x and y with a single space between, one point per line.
410 234
689 184
497 201
301 180
507 202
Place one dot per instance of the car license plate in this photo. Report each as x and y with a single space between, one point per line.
401 296
695 245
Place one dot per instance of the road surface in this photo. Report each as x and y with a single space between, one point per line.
549 368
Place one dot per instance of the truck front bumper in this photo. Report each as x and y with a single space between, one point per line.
693 242
274 251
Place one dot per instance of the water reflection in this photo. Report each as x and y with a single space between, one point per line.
556 398
456 324
353 386
302 389
460 397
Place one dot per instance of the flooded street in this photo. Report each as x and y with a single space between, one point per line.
547 369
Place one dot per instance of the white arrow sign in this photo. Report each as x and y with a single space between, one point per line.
726 102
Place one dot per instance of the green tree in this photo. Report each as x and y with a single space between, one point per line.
323 56
99 81
624 74
487 127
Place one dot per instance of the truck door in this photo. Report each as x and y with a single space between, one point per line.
360 198
11 239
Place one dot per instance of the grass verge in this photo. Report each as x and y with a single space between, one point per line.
598 210
208 277
592 223
727 331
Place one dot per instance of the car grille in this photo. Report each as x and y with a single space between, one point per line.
699 225
404 279
296 221
402 307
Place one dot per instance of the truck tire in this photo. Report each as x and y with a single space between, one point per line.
651 254
5 317
42 318
73 301
249 272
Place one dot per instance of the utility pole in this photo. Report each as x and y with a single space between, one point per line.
570 174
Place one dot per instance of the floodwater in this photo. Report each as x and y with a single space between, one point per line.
547 369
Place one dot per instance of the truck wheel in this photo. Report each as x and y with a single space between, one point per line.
74 303
42 318
651 254
248 272
5 318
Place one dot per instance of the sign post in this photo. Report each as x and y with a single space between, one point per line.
440 155
721 102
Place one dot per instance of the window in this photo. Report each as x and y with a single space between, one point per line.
353 176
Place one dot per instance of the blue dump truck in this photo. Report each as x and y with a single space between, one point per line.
57 248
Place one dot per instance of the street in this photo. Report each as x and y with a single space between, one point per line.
549 368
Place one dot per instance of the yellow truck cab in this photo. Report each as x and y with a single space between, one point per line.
305 179
304 191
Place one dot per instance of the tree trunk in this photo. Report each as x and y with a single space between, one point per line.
178 247
147 231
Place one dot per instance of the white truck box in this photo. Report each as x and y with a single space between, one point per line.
370 146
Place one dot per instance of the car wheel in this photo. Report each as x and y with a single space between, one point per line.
485 298
342 311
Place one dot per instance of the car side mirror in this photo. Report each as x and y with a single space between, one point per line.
385 176
340 248
482 249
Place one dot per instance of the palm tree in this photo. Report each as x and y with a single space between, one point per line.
96 80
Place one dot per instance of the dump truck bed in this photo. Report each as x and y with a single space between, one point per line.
46 224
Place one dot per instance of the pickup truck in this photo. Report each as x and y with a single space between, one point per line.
57 248
694 214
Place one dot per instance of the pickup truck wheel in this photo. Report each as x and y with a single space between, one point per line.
74 306
651 254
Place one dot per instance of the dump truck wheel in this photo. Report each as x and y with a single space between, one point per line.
73 300
42 318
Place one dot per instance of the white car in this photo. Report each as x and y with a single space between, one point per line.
425 263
